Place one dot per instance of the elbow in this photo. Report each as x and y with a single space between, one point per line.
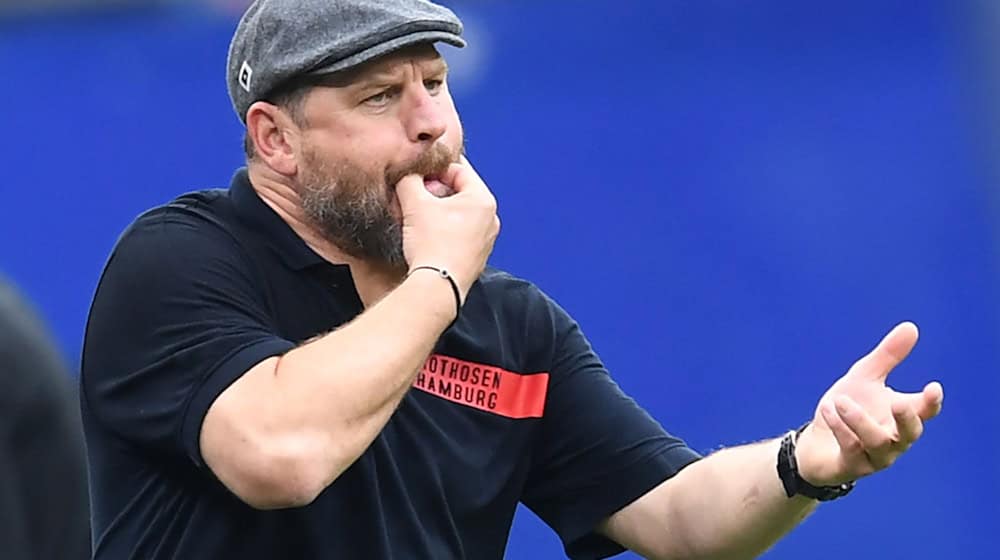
280 475
265 456
286 491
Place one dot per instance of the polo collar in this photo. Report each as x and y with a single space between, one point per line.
263 220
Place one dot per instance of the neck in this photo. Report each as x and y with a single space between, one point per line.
372 281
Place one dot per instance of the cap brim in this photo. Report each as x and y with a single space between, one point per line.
384 48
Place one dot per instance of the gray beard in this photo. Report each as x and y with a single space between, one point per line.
350 207
360 224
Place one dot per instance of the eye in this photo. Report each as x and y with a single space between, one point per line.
433 86
380 98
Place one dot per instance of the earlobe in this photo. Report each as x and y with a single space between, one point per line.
272 140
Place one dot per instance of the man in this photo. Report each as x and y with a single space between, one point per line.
317 362
43 477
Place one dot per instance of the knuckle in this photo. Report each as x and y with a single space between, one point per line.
878 447
881 442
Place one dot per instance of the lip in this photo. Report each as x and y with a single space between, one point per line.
436 187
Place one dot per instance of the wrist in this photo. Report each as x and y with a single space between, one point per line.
456 274
811 457
803 457
442 276
790 474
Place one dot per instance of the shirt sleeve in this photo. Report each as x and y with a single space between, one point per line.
178 316
598 452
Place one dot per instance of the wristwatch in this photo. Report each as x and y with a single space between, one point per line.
788 472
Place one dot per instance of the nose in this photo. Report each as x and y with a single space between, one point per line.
425 120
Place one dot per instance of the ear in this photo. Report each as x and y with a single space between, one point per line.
275 137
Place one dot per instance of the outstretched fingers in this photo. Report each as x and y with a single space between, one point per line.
877 442
927 403
892 350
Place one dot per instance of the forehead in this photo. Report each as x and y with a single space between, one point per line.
425 56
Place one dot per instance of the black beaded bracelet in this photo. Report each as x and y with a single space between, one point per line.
443 273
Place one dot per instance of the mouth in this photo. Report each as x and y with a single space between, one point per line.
434 186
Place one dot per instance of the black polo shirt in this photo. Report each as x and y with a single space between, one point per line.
513 405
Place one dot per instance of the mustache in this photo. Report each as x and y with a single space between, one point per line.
432 163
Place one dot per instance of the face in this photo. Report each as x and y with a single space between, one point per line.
393 118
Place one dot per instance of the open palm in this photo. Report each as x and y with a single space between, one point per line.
861 425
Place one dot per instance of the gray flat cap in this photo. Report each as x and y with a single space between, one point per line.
281 39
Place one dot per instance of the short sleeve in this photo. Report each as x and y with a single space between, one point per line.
599 450
177 317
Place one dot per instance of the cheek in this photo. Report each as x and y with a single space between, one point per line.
375 157
365 147
455 125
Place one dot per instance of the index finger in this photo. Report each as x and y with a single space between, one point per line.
927 403
462 177
409 189
908 423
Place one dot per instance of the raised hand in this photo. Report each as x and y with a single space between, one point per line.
456 232
861 425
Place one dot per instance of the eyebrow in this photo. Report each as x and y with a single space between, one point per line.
430 67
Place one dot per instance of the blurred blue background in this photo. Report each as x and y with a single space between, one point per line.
736 200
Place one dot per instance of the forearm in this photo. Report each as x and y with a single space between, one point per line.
343 388
291 425
731 504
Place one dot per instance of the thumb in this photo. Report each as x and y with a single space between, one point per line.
892 350
410 190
